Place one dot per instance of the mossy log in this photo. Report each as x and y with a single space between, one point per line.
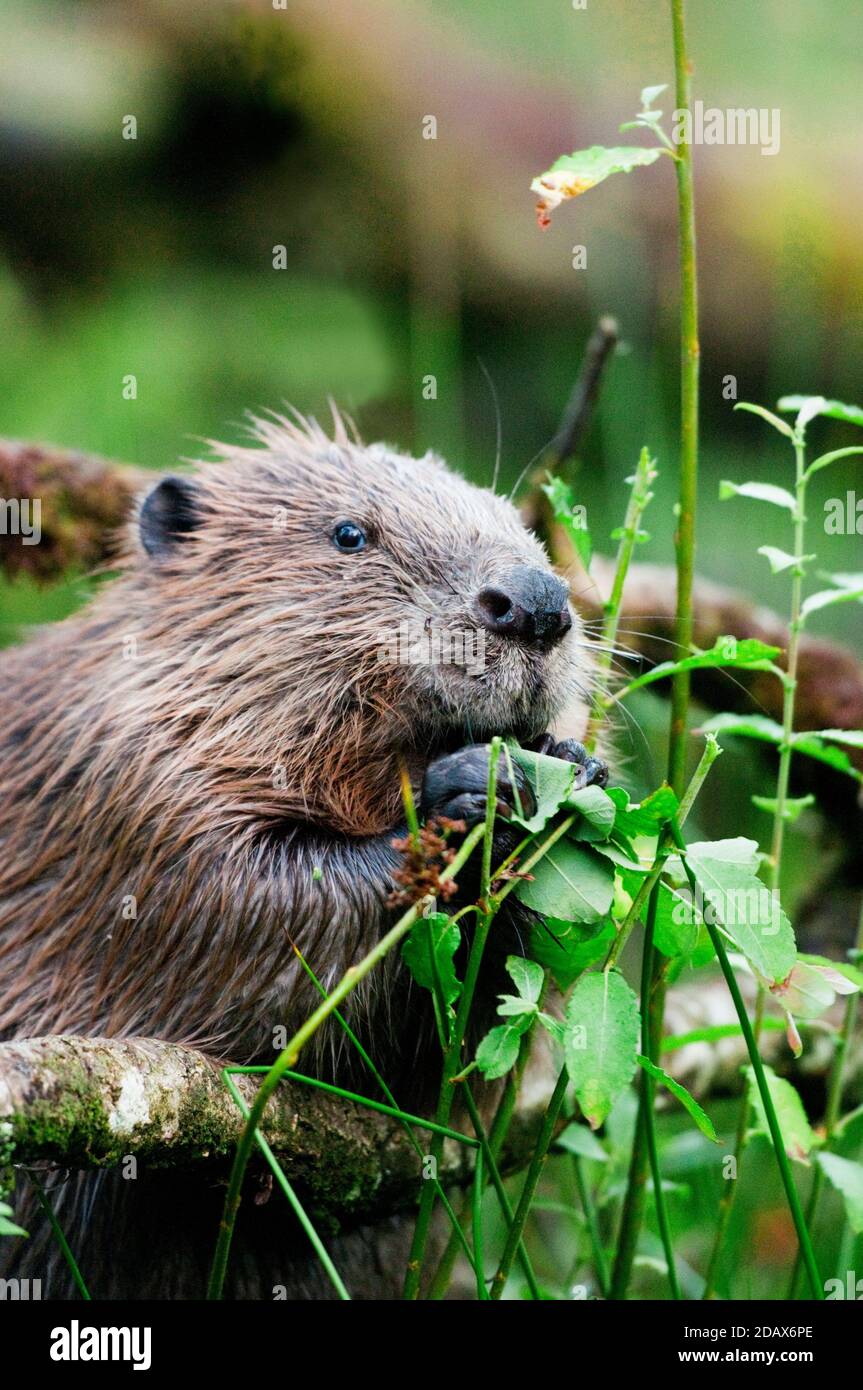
90 1103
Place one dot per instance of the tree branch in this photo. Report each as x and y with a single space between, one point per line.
88 1103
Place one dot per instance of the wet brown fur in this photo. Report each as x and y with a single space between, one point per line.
180 759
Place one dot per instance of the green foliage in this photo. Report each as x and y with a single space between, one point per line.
7 1225
601 1033
565 511
689 1103
847 1177
429 953
797 1133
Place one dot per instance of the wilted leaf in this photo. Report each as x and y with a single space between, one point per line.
570 882
575 173
701 1118
760 492
600 1041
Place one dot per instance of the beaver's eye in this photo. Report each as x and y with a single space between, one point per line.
349 537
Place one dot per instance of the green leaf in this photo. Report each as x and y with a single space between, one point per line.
552 1026
598 810
431 947
570 515
649 95
760 492
780 559
747 654
600 1041
8 1227
575 173
847 1177
841 967
649 816
567 949
826 459
749 913
571 883
550 781
768 731
578 1139
703 1120
852 737
826 597
843 581
792 810
781 425
851 414
527 976
797 1134
676 927
498 1052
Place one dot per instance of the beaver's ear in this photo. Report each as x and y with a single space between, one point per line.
168 514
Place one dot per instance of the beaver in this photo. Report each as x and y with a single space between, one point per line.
202 770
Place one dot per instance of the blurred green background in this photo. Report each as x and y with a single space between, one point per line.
302 127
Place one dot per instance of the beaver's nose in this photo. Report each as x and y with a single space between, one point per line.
530 604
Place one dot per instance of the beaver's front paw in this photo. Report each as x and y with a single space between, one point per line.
456 786
592 772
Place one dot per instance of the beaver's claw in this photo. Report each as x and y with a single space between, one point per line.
456 786
592 772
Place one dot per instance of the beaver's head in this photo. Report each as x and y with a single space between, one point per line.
332 606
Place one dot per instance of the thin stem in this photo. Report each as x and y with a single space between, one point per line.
497 1135
789 686
490 1162
652 1005
42 1198
639 497
684 544
650 1045
588 1206
689 371
452 1055
834 1103
540 1153
299 1211
782 1161
288 1058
